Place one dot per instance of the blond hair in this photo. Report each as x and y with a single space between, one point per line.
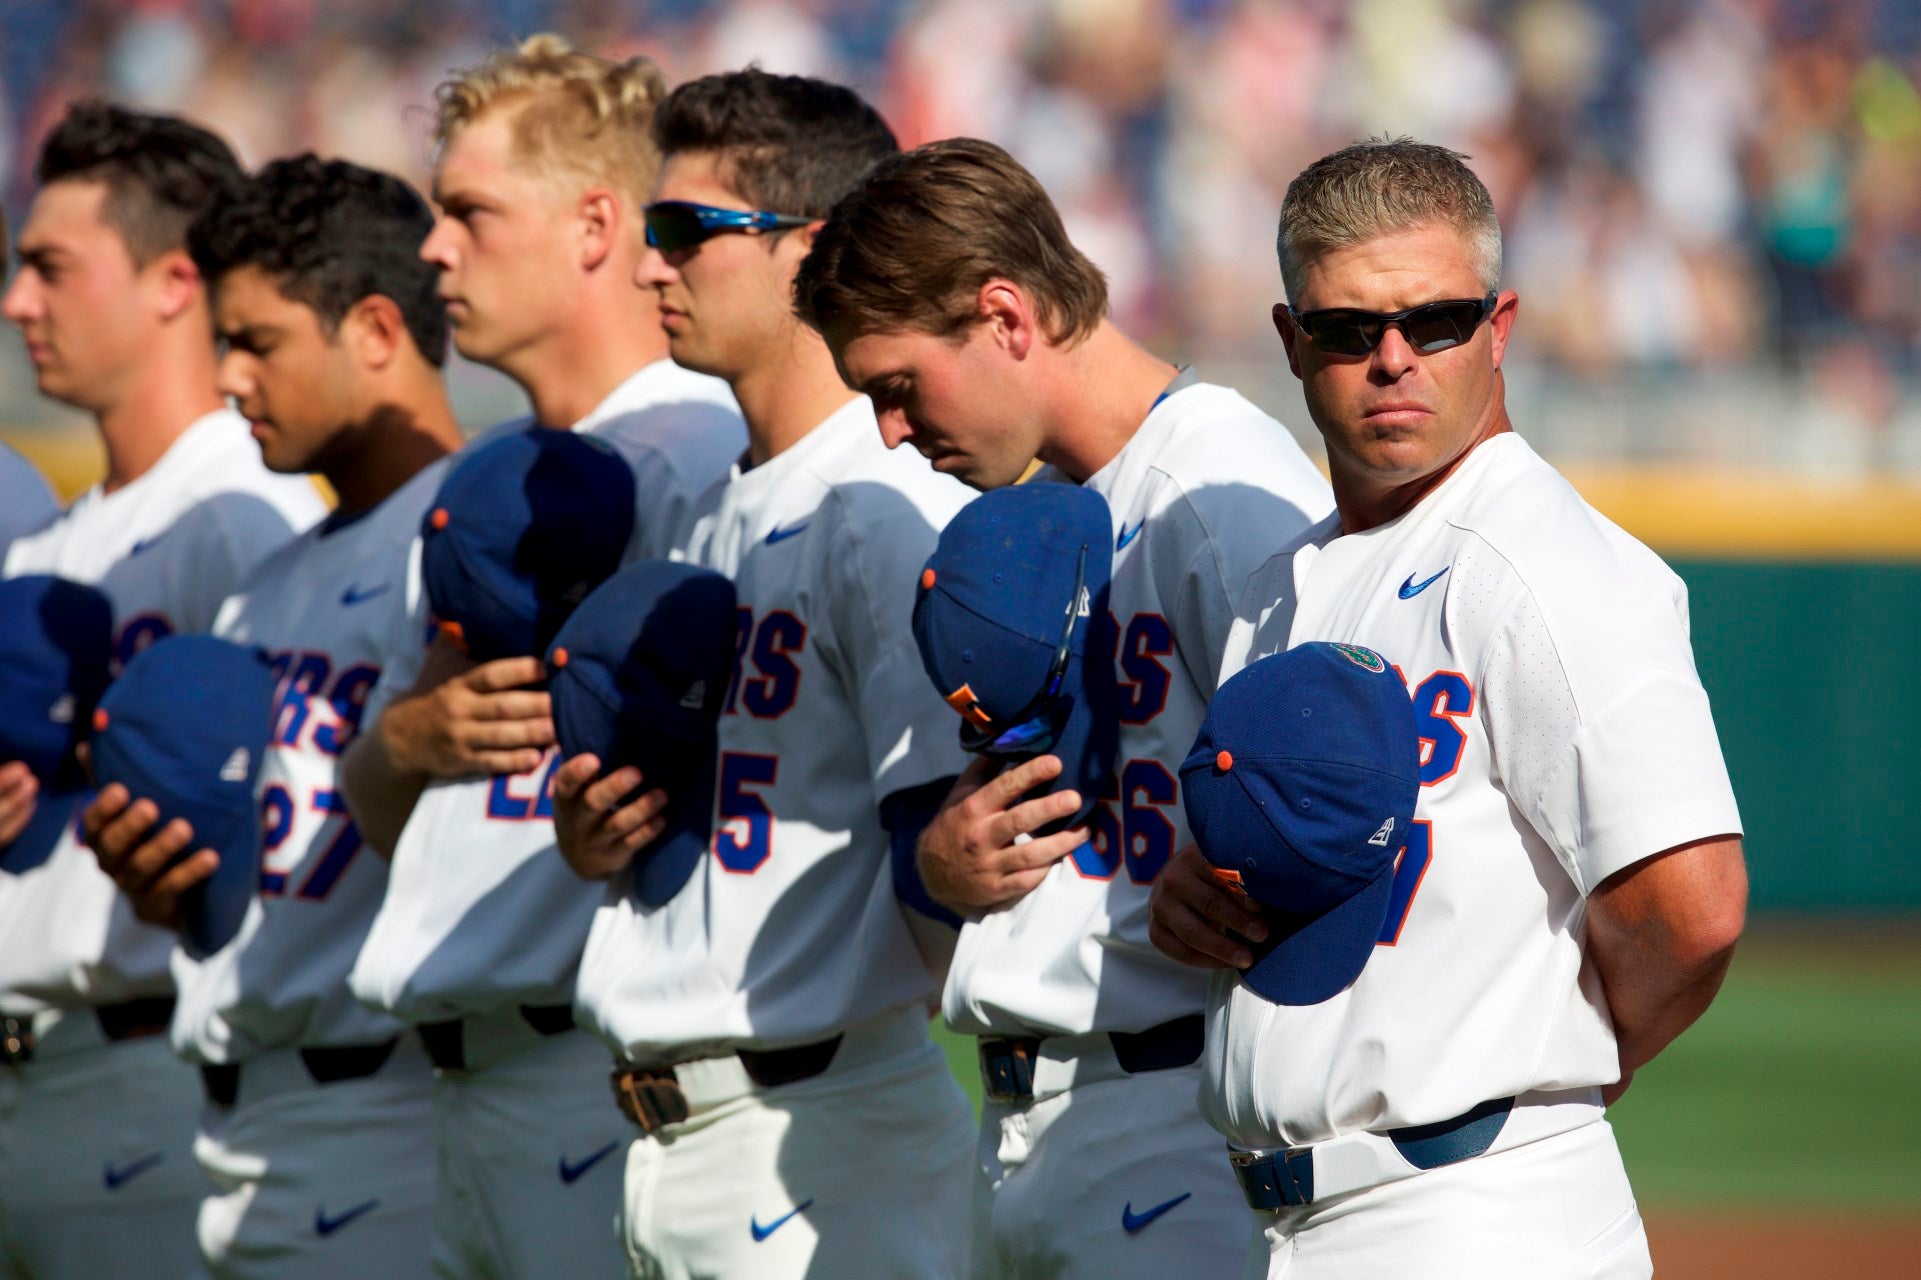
579 119
1379 187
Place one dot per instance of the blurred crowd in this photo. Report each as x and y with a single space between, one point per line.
1686 184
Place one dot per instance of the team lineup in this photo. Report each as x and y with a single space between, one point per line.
545 859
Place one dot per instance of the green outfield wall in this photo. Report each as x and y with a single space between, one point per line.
1812 671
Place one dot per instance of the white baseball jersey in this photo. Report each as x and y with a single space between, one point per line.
480 909
338 609
166 549
790 932
1565 736
1204 492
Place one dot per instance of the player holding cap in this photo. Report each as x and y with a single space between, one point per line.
545 158
317 1134
772 1016
1572 884
98 1115
949 293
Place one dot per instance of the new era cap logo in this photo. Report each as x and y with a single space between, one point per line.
61 712
235 770
1382 836
696 694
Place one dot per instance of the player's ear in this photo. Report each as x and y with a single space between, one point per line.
1501 323
373 331
177 283
1009 315
1284 325
601 219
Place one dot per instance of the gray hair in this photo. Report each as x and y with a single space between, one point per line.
1378 187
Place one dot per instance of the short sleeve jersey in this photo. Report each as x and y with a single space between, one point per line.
166 550
328 609
789 930
1565 736
480 909
1205 491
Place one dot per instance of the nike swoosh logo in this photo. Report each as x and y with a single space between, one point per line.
781 535
1410 588
1132 1222
570 1173
1128 535
354 595
323 1225
115 1178
761 1233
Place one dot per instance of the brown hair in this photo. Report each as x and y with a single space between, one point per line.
911 248
578 118
787 144
1377 187
161 172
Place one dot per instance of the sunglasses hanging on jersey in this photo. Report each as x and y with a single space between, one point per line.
1035 728
673 225
1430 327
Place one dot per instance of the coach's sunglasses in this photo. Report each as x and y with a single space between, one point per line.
1035 728
673 225
1430 327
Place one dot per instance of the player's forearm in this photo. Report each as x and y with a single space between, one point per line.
380 795
1661 937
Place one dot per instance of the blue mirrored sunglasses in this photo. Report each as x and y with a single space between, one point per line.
673 225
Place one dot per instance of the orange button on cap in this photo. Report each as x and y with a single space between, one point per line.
99 719
439 517
926 579
1224 761
560 658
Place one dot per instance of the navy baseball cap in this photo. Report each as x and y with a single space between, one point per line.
185 726
56 639
637 676
1011 619
1301 789
524 526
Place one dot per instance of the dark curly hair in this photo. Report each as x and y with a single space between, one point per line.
329 233
790 144
160 171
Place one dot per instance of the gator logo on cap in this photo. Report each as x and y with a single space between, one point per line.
1366 659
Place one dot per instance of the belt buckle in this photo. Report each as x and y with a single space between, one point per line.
1007 1068
16 1041
1273 1180
651 1099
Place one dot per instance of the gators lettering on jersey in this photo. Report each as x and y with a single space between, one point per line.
480 909
332 608
1565 736
789 930
166 549
1206 490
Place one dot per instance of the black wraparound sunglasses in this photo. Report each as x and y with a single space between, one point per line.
1432 326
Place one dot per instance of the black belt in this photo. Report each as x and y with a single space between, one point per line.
1282 1179
1007 1062
446 1042
128 1020
324 1065
652 1096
